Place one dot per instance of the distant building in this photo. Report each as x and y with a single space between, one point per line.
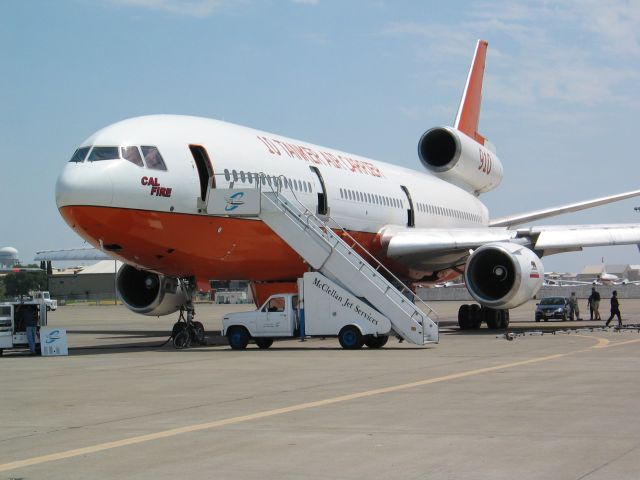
94 282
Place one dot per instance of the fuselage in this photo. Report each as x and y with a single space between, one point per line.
153 214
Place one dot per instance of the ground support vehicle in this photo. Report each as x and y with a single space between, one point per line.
320 308
45 298
13 333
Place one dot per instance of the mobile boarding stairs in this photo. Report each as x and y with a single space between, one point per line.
325 251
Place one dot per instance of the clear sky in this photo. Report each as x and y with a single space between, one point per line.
561 94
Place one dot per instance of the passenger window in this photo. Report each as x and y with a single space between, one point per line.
132 154
152 158
250 177
104 153
227 177
242 176
80 154
235 175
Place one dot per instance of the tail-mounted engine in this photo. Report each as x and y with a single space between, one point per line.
151 294
453 156
503 275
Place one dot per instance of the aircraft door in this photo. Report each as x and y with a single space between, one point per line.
323 202
411 217
205 173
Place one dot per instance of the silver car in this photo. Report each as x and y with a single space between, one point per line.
553 307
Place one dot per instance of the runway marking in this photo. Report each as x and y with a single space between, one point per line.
602 343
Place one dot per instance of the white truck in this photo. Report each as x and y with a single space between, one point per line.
44 297
321 308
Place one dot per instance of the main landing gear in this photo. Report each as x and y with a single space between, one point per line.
186 331
471 316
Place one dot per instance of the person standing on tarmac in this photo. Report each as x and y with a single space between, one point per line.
594 300
574 308
30 322
615 310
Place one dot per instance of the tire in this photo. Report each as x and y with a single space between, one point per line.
182 339
198 333
497 319
238 338
264 342
564 318
350 338
376 342
504 319
464 318
177 328
475 316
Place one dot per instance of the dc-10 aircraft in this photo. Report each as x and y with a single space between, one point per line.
137 190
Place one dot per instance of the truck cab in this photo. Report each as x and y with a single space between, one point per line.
45 297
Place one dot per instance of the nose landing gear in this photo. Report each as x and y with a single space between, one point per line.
186 331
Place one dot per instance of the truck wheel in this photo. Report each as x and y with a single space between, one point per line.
238 338
350 338
264 342
376 342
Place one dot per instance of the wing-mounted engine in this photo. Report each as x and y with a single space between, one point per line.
149 293
503 275
451 155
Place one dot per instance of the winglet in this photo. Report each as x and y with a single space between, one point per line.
468 115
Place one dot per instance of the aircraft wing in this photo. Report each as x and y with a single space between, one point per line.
434 248
519 219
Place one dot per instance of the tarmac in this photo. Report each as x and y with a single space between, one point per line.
125 404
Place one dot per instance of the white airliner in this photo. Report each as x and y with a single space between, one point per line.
137 190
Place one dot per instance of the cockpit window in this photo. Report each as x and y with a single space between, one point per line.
80 154
104 153
153 158
133 155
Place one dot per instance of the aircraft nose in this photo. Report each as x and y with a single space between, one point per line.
86 183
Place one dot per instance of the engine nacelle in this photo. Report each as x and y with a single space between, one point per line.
453 156
151 294
503 275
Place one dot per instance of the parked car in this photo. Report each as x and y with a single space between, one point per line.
552 307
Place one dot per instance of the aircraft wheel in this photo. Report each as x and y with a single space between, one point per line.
238 338
264 342
464 321
177 328
350 338
198 331
376 342
494 318
475 316
503 316
182 339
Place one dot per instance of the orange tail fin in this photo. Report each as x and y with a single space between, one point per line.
468 115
